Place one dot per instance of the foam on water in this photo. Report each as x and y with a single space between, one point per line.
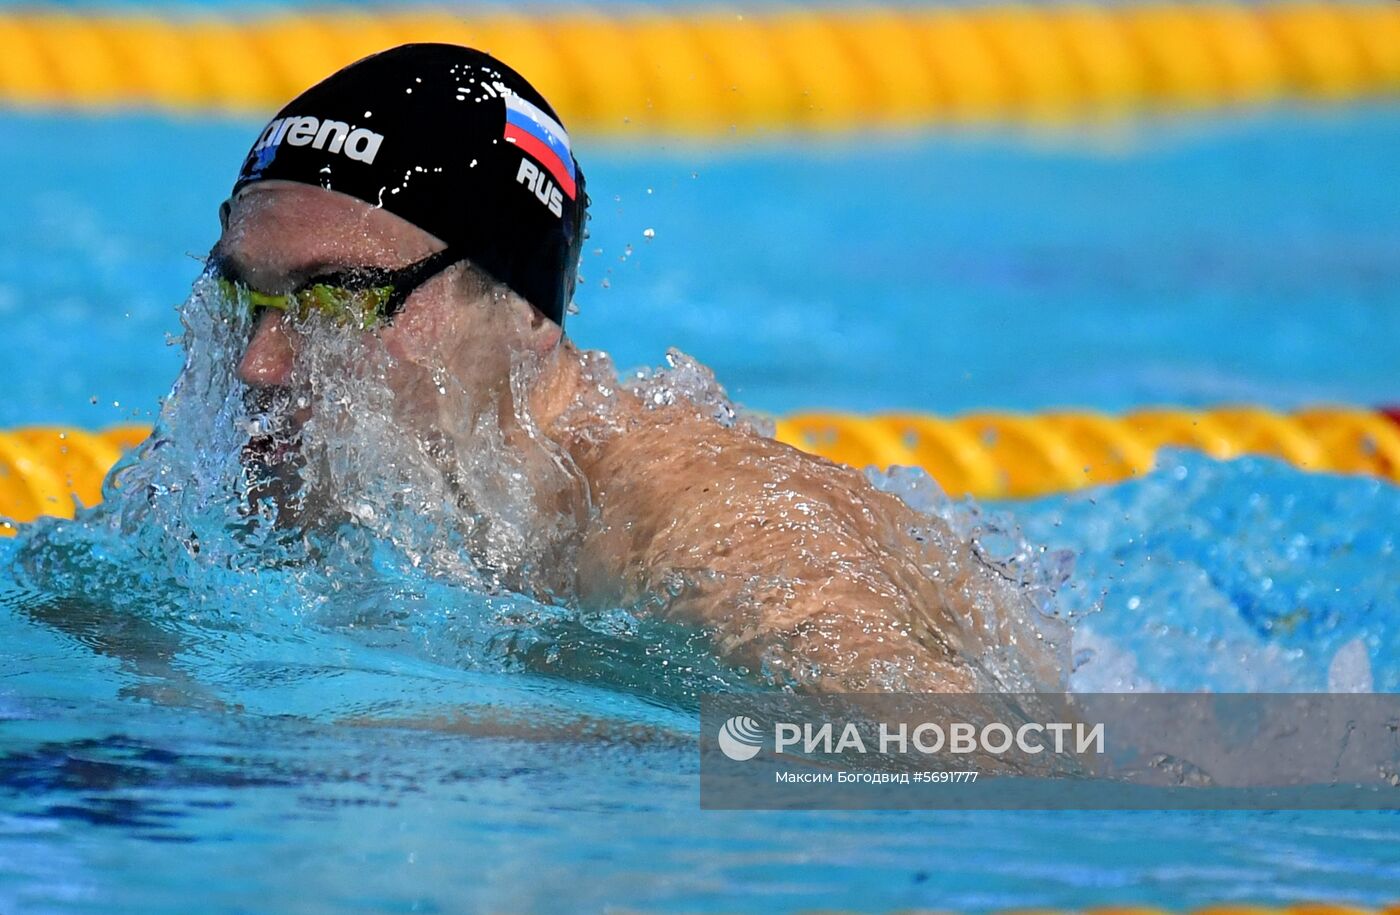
232 531
451 545
382 502
1247 575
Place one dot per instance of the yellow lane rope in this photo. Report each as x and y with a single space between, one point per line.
46 470
1004 455
715 72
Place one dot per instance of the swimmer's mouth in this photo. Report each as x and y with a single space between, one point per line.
264 451
274 428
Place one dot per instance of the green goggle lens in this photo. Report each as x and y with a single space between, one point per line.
360 297
362 309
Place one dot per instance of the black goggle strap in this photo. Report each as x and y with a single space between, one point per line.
400 282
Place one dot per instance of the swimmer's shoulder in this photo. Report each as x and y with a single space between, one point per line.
677 462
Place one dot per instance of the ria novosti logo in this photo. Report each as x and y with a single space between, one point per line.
740 738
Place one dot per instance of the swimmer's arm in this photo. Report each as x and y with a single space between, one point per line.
798 566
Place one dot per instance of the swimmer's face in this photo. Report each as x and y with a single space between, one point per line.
278 235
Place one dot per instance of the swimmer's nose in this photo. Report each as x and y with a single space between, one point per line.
267 362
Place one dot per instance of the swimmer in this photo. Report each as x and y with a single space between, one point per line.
427 198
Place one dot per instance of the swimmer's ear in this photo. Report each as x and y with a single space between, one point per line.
544 333
224 209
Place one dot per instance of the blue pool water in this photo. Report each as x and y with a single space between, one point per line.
1187 262
230 741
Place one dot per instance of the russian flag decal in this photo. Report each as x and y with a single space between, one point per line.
543 138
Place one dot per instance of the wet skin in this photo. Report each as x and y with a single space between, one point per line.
799 566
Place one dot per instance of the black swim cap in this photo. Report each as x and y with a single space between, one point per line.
452 140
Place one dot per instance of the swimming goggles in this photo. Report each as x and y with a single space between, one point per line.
360 297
